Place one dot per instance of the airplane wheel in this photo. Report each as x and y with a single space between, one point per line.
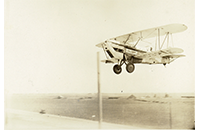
130 67
117 69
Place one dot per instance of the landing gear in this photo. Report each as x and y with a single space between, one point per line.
130 67
117 69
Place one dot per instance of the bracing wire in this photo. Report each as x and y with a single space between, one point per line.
146 42
156 43
149 34
164 40
172 40
168 41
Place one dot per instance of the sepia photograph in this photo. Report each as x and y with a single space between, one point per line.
99 64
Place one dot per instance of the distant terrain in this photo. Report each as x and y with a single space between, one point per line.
156 111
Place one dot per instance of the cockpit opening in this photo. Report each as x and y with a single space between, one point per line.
118 50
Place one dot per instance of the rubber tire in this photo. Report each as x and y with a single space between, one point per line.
117 69
130 67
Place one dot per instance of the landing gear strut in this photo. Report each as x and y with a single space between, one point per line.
118 69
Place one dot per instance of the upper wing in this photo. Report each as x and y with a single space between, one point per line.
149 33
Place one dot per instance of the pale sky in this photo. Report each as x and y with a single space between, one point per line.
50 45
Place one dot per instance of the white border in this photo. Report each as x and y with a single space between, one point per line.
2 62
197 54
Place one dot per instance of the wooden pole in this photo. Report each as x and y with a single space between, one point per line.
99 91
170 115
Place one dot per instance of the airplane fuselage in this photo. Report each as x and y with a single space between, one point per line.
117 52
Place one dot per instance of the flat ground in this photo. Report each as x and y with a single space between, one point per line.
25 120
150 112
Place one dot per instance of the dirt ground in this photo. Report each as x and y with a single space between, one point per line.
151 112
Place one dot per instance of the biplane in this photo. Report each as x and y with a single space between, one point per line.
124 49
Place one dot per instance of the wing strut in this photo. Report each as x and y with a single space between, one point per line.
164 39
127 39
137 42
168 41
159 38
156 44
124 44
141 37
172 40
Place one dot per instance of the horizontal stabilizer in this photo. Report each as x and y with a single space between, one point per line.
172 50
173 55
